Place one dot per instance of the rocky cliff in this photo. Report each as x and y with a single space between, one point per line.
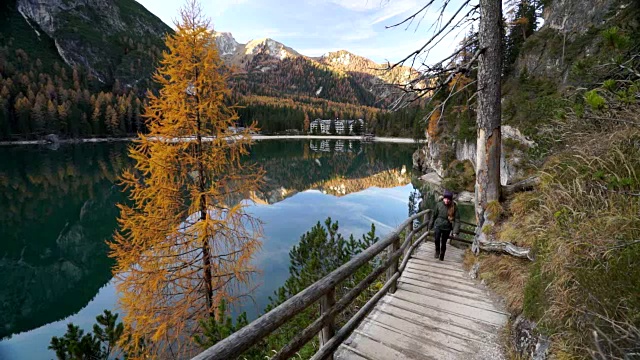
120 41
571 33
433 157
113 39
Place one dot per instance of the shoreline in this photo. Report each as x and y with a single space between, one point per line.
254 137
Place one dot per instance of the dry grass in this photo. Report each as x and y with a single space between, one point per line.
495 210
583 222
507 276
585 226
468 260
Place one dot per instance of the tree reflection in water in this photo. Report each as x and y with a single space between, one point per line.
57 209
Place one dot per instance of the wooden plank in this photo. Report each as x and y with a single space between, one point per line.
407 345
443 279
432 319
346 352
462 300
446 275
447 287
441 274
491 317
432 245
449 259
442 283
424 334
449 295
453 319
439 265
411 344
450 254
373 349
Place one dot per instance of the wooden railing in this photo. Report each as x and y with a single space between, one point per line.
324 291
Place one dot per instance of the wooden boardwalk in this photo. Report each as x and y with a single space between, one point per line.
437 312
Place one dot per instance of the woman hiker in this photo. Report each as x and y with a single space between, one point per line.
445 218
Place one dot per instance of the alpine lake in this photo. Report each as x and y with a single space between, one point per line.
58 211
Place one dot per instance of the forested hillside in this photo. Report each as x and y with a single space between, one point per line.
82 69
42 94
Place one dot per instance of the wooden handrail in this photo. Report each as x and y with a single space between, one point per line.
258 329
351 325
356 319
467 223
307 334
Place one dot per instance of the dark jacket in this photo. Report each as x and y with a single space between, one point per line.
440 221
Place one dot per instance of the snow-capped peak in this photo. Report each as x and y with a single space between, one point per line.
227 45
269 47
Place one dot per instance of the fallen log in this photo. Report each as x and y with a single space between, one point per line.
503 247
523 185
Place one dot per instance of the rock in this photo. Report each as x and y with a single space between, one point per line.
523 339
419 159
466 197
59 18
432 178
565 22
52 139
527 343
429 157
575 16
509 132
473 273
541 349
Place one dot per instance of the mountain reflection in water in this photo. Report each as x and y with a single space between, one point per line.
58 209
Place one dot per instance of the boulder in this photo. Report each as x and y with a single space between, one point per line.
52 139
430 157
526 340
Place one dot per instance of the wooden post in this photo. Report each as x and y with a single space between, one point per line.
326 302
393 268
234 345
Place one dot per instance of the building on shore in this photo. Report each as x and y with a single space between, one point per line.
342 127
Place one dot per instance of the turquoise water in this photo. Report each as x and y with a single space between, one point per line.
58 209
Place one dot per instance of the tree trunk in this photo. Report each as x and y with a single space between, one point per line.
202 183
488 111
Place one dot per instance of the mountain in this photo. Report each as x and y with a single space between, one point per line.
121 40
343 60
234 53
81 68
113 39
339 76
372 76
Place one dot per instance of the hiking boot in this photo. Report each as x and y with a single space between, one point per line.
436 255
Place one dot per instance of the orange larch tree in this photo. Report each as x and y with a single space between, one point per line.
306 125
185 243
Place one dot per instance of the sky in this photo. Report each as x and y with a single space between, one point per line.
314 27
